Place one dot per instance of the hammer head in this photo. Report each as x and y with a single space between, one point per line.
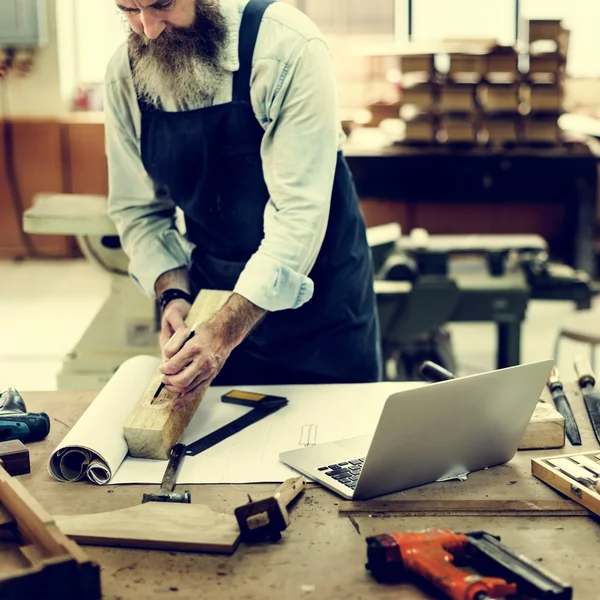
262 520
164 496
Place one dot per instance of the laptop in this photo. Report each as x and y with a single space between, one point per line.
437 431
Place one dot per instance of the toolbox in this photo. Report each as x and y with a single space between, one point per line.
577 476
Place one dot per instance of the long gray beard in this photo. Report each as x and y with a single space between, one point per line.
188 86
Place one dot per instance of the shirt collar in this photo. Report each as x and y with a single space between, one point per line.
232 12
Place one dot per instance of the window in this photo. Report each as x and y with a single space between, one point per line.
351 17
435 20
99 28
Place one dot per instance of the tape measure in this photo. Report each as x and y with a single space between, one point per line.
262 405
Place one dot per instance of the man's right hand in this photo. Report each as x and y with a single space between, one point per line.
173 318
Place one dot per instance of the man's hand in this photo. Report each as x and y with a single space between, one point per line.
176 311
192 366
173 320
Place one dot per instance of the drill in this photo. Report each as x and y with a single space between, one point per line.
437 556
16 423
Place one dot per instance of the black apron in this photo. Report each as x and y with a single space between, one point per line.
209 161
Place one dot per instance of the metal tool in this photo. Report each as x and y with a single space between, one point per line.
431 554
263 405
434 373
166 493
591 395
17 424
580 474
162 385
563 407
264 520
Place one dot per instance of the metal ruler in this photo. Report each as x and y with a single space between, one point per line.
262 405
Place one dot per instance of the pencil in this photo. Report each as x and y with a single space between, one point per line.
162 385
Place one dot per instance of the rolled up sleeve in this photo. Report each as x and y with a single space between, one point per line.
145 219
299 155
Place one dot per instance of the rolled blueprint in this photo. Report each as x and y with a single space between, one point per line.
95 447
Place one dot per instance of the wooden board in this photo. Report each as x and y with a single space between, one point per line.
543 470
157 526
465 508
546 429
152 428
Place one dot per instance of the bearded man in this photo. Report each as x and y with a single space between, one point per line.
227 109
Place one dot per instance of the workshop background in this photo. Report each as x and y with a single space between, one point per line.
463 117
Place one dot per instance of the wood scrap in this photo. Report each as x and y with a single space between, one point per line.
546 429
152 428
465 508
14 457
51 566
156 526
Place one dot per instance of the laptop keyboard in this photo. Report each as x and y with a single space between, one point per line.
346 472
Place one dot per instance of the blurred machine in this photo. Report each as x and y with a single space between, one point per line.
126 324
424 282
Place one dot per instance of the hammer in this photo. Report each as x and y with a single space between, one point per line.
264 520
166 494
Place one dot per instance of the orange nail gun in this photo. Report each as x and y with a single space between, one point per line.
437 556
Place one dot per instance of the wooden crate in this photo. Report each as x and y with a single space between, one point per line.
458 97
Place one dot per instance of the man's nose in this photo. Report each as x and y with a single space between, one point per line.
153 26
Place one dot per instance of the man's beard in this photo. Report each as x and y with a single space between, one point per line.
181 64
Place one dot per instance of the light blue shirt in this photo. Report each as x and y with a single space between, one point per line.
294 98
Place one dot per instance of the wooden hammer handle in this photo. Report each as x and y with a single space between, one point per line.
289 489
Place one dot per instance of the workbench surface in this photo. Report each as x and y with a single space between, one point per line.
322 555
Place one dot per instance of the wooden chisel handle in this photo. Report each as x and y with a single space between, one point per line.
289 489
585 373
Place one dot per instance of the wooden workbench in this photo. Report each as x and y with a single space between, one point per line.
322 555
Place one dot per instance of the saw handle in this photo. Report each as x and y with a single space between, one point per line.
583 368
290 489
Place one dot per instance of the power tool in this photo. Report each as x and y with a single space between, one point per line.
438 555
16 423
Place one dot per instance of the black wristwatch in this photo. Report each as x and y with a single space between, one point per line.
174 294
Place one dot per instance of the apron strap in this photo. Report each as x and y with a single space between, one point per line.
251 20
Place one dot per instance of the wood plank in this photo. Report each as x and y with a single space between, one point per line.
546 429
49 552
463 508
152 428
157 526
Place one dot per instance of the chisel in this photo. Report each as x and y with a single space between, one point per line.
579 474
591 396
563 407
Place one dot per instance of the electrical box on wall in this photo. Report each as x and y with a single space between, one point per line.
23 23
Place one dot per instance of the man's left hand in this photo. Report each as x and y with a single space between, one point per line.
191 366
